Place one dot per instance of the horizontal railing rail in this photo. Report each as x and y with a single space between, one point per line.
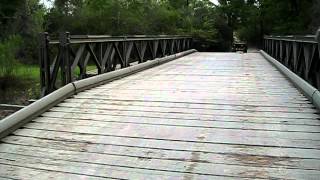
298 53
66 59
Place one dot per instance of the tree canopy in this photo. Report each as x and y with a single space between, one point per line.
249 20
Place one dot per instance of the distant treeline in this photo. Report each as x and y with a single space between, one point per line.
22 20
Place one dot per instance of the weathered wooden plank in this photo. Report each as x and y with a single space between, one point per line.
18 172
219 119
246 132
175 114
203 106
245 111
239 100
221 91
177 164
231 136
63 138
208 96
190 78
202 80
102 167
88 169
189 117
163 74
174 86
304 104
203 93
24 144
270 81
96 119
208 79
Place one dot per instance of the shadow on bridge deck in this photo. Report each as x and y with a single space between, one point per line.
206 115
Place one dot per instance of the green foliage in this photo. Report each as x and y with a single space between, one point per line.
247 19
251 19
315 14
26 18
28 25
8 62
8 9
122 17
23 85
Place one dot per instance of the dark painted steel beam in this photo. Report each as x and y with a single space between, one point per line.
107 53
298 53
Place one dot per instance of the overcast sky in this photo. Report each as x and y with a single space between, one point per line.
214 1
48 3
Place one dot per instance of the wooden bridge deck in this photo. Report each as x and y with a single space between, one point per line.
204 116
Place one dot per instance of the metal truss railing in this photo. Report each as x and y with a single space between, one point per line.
66 59
301 54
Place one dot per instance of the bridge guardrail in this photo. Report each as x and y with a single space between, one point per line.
64 55
301 54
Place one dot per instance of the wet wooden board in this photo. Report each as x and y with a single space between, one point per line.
203 116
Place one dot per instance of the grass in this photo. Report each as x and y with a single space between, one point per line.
31 72
15 83
89 68
24 84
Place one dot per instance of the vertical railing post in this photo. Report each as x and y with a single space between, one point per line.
318 40
276 49
281 59
272 47
44 61
294 59
172 46
265 43
178 45
100 57
191 43
124 51
318 35
66 76
155 46
317 74
268 45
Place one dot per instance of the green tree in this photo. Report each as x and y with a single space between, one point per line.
252 19
315 14
8 9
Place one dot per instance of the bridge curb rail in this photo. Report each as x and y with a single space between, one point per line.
308 90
